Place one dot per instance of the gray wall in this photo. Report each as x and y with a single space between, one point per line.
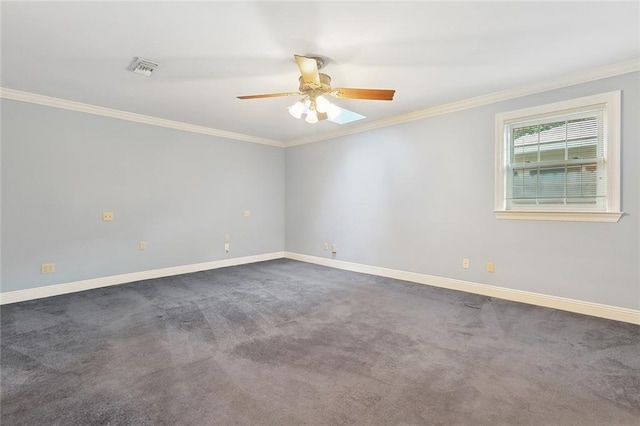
419 197
416 197
180 192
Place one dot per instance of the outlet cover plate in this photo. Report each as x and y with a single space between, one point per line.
47 268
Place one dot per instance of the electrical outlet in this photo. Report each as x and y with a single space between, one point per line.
226 247
107 216
465 263
143 245
227 238
247 213
490 267
326 246
47 268
334 248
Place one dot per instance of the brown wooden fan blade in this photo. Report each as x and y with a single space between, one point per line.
373 94
269 95
308 69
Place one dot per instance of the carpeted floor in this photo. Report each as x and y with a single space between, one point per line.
290 343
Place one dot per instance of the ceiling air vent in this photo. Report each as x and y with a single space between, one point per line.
143 66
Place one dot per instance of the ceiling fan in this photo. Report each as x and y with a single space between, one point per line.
315 86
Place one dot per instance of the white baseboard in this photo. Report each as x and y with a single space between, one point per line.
72 287
565 304
562 303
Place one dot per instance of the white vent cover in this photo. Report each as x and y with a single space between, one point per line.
143 66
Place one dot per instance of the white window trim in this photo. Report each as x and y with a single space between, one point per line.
611 152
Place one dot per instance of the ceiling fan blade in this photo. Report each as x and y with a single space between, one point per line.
308 69
372 94
343 116
269 95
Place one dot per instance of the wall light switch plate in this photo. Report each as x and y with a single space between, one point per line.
227 238
107 216
334 248
326 246
247 213
490 267
143 245
465 263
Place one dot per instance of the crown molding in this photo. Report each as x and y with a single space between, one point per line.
491 98
34 98
626 67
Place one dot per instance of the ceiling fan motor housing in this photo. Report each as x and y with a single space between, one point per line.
314 89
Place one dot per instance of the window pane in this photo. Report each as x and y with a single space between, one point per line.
525 135
518 177
583 128
586 148
525 144
550 132
552 183
552 151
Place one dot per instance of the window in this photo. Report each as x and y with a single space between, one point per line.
560 161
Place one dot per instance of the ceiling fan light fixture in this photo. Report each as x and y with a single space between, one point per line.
312 117
296 110
322 104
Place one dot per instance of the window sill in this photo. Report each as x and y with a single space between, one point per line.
611 217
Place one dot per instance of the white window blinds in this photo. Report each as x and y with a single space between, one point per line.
557 161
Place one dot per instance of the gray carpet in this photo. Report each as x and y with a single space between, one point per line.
290 343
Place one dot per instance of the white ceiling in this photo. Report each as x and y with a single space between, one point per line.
432 53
